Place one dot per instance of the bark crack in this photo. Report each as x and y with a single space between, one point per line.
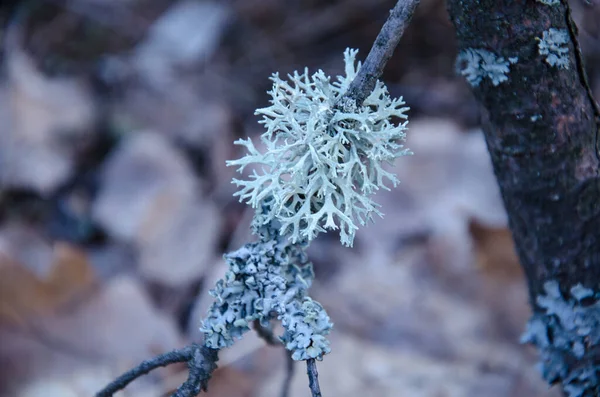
573 33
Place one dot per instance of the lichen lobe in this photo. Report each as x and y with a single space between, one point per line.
553 46
566 333
477 64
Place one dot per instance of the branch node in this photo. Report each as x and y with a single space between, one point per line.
201 363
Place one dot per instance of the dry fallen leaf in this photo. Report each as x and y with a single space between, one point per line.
159 55
42 118
501 278
120 323
111 331
58 276
179 252
151 198
145 181
495 252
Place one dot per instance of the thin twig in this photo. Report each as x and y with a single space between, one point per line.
381 52
266 334
201 362
175 356
313 377
289 375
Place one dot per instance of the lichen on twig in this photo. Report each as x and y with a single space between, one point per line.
381 51
243 297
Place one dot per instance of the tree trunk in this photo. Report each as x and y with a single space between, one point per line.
541 125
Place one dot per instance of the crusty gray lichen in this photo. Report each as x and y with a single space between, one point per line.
477 64
565 333
268 280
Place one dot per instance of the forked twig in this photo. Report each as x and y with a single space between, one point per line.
201 360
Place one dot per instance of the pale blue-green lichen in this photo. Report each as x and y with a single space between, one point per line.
549 2
553 45
324 158
268 280
323 162
536 117
477 64
306 325
567 333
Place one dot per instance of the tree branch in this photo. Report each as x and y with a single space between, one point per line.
541 127
313 377
381 52
201 363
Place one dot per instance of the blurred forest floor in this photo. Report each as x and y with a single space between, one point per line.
116 205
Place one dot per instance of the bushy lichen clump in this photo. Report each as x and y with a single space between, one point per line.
553 45
268 280
324 158
477 64
323 161
567 334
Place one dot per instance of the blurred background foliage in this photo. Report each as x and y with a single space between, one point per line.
116 119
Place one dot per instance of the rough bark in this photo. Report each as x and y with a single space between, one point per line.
541 128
